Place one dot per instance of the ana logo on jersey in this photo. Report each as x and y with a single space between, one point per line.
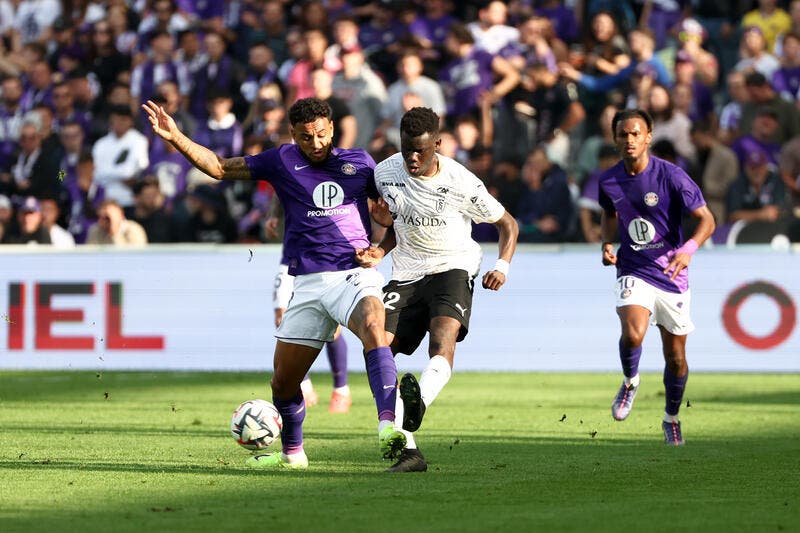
651 199
328 196
349 169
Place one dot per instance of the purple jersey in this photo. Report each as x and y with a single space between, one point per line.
650 206
464 79
325 205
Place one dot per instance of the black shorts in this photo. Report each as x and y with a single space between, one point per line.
410 306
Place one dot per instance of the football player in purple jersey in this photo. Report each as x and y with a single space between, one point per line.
645 197
324 192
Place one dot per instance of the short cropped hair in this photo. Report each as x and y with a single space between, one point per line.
308 110
626 114
419 121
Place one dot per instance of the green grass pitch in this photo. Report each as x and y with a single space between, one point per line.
123 451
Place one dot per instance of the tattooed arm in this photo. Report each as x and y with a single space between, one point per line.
164 126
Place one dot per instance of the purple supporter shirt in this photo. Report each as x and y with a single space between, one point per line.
325 205
650 206
466 78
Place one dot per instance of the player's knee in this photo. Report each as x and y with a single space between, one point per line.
632 339
282 388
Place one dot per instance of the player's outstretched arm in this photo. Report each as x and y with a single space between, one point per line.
509 231
608 230
683 255
164 126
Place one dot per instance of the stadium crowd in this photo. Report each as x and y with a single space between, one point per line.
526 90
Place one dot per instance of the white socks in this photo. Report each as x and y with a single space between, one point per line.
344 391
434 378
632 381
399 409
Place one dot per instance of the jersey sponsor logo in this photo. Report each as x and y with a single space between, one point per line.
641 231
651 199
349 169
392 184
443 190
418 221
301 167
480 205
461 309
328 196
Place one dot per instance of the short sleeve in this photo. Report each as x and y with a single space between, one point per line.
481 206
605 201
690 193
264 166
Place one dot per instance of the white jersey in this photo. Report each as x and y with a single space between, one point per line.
432 217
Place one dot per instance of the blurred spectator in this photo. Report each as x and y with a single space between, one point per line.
222 132
490 32
72 139
760 137
210 221
427 93
158 68
380 38
789 167
163 16
10 123
565 25
345 127
148 210
35 172
296 50
51 214
670 123
6 216
106 62
545 109
662 17
754 55
699 102
717 168
85 197
34 19
298 81
763 96
345 37
758 194
64 109
589 152
770 19
731 114
125 39
266 119
219 73
39 86
472 73
120 156
786 80
545 211
28 228
606 50
363 91
589 201
113 228
705 67
170 168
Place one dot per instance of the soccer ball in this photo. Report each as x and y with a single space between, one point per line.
256 424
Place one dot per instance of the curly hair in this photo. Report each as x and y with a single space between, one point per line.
308 110
626 114
419 121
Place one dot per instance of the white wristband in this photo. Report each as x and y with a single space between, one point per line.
502 266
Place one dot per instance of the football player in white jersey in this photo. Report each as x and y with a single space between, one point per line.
429 202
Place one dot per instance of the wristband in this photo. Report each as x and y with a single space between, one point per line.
502 266
689 247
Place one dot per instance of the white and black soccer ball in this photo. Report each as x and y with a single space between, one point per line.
256 424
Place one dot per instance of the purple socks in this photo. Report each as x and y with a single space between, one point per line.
630 359
382 374
337 357
293 412
673 390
